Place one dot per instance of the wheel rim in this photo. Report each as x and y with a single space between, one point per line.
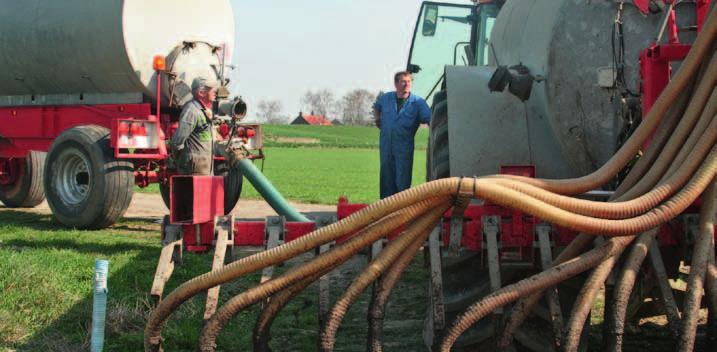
9 171
73 178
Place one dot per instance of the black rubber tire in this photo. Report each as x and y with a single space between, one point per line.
27 191
437 160
233 181
106 184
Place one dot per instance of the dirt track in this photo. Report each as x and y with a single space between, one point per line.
145 205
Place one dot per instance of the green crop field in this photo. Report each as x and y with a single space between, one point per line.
344 162
329 136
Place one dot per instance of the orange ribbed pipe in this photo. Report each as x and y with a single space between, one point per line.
330 259
538 282
698 269
411 240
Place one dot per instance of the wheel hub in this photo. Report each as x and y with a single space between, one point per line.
9 171
73 179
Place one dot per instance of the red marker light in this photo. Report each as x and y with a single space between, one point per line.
159 63
250 133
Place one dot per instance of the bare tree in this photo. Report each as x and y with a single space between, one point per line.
356 106
320 102
270 111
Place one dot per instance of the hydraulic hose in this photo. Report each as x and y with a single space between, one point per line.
330 259
269 192
616 320
411 240
540 281
679 82
698 268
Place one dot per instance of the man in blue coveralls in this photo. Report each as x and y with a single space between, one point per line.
398 115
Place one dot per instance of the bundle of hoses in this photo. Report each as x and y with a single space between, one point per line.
678 166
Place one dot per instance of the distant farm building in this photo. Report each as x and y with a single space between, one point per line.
314 120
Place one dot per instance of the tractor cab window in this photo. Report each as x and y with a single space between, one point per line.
442 37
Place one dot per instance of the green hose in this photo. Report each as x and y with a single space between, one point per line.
269 192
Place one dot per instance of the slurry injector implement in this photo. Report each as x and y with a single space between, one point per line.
572 148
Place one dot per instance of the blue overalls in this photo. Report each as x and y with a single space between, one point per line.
398 130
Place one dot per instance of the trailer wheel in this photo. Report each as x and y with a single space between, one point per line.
21 185
86 187
233 180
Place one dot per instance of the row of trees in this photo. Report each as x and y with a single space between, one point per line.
354 108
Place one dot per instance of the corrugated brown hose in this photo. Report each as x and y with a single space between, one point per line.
411 240
330 259
698 269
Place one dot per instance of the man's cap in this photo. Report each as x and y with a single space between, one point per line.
201 82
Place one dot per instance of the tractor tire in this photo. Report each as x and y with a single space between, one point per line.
233 181
466 279
86 186
437 160
26 191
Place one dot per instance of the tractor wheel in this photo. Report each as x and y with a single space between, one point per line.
233 180
437 161
86 187
21 181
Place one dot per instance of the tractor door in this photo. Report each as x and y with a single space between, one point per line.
448 34
442 34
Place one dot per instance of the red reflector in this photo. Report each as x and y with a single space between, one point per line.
159 63
250 133
134 129
123 128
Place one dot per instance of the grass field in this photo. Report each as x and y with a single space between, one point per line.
345 162
330 136
46 302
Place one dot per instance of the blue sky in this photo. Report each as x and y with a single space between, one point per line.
285 48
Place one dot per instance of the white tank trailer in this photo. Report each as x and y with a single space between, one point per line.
61 59
95 52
